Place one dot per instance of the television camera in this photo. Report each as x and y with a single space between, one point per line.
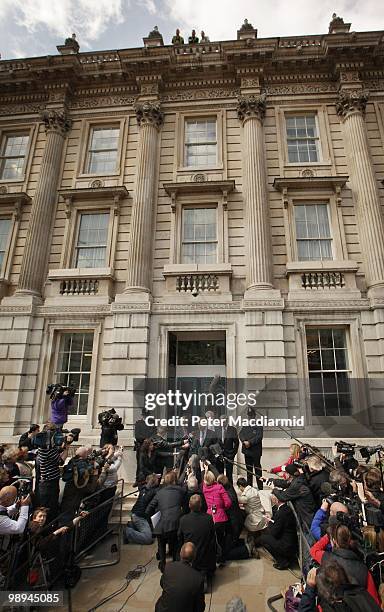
57 390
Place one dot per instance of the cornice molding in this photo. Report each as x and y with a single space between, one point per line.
198 186
335 183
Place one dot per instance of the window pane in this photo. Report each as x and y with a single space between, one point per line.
103 148
13 156
74 366
335 392
326 338
200 142
93 231
5 226
199 235
314 362
327 359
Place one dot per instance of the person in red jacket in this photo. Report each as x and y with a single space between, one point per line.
218 502
343 553
294 451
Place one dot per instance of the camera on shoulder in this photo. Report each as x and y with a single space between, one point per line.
57 390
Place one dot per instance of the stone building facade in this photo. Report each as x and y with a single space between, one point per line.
176 211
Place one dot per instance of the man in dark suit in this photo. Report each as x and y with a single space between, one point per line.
169 501
203 438
198 527
280 536
142 432
183 586
229 442
251 437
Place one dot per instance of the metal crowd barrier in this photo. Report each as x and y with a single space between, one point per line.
33 562
95 526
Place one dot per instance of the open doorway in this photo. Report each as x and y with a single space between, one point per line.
197 363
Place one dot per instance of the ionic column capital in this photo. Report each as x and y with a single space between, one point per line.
56 121
351 101
251 106
149 113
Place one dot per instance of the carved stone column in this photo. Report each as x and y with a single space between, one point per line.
150 120
351 107
251 111
33 269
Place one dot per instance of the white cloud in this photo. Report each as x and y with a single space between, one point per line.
88 18
220 19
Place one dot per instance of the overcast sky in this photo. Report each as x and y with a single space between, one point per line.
35 27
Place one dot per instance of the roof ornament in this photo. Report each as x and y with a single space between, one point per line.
337 25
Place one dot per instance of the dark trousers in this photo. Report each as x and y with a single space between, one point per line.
274 547
49 491
221 532
237 551
253 465
171 539
229 471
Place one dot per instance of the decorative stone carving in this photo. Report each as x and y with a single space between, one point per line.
96 184
351 101
155 33
307 173
246 26
338 25
56 121
72 42
200 177
149 113
251 106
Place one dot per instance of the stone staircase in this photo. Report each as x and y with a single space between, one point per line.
128 504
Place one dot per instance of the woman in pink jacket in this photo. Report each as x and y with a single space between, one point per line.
218 501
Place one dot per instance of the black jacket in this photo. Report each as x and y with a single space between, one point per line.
355 569
231 441
316 479
26 441
283 528
146 495
169 501
143 431
183 589
254 435
198 527
352 599
148 464
301 496
235 517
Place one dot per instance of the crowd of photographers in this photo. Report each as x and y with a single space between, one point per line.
43 490
333 507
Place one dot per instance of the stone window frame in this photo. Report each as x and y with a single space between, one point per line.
47 368
181 117
199 194
11 205
87 126
25 128
92 200
339 246
324 136
352 325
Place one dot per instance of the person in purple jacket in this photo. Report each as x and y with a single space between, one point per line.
60 407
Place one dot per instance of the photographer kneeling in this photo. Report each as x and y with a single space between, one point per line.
8 505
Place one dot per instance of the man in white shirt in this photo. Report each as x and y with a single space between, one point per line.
9 526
